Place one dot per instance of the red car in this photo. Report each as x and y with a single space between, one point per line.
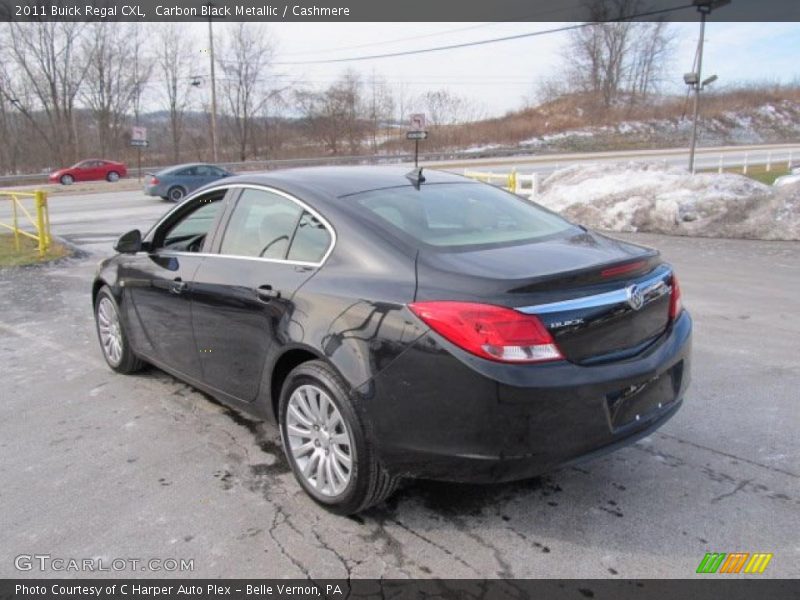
93 169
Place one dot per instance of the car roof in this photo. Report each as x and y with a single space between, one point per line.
184 166
342 181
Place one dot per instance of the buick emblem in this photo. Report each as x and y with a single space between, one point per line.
635 297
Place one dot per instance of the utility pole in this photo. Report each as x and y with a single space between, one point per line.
213 91
704 7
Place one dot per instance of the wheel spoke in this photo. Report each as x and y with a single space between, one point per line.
296 431
303 449
306 404
309 466
343 459
321 473
338 469
341 439
295 412
329 474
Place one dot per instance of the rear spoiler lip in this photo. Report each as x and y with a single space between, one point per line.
651 288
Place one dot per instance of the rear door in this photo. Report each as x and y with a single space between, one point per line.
243 295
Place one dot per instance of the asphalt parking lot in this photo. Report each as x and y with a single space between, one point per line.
99 465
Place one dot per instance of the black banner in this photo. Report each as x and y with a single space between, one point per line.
733 588
395 11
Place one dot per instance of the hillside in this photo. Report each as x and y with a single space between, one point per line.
748 116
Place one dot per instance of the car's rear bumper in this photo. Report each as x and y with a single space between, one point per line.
440 413
152 190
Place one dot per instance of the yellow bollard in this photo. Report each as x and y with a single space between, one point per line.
512 181
41 208
16 223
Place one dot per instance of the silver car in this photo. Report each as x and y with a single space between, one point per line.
174 183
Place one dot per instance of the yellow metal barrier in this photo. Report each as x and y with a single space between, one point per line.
41 223
522 185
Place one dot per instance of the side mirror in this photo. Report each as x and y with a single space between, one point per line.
129 243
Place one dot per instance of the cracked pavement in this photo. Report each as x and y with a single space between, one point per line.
96 464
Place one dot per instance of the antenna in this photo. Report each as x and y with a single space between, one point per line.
416 177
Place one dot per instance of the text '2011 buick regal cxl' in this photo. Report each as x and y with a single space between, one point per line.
401 324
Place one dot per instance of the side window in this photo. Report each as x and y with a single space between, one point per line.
311 240
262 225
190 172
189 232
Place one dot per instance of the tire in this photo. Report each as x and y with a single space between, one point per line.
112 176
67 180
176 193
119 355
368 483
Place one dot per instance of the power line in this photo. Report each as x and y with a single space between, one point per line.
535 16
480 42
385 42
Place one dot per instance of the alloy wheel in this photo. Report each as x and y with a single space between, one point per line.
110 331
319 440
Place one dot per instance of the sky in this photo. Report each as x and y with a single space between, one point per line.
498 77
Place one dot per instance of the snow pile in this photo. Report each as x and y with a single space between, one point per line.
648 196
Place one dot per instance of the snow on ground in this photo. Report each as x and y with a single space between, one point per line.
648 196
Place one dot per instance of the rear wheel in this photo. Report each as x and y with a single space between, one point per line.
176 193
113 339
112 176
330 455
67 180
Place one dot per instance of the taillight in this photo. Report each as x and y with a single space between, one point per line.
153 180
675 304
488 331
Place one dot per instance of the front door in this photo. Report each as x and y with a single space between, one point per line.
243 295
159 285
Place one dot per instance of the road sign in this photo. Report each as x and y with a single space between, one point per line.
138 134
140 143
417 122
416 135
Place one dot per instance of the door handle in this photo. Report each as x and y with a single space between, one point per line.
265 293
178 286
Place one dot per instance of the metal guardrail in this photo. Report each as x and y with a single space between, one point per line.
41 223
749 155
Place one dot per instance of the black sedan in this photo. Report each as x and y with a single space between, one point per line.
401 324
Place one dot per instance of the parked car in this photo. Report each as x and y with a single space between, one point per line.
92 169
401 325
174 183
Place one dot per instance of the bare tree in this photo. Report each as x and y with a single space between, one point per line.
380 107
652 47
334 116
608 60
112 86
174 63
244 58
49 71
443 107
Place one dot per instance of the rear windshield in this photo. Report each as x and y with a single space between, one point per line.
460 214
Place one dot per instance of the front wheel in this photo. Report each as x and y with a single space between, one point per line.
113 339
67 180
112 176
330 455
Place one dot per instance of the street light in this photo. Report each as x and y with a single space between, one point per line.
704 7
